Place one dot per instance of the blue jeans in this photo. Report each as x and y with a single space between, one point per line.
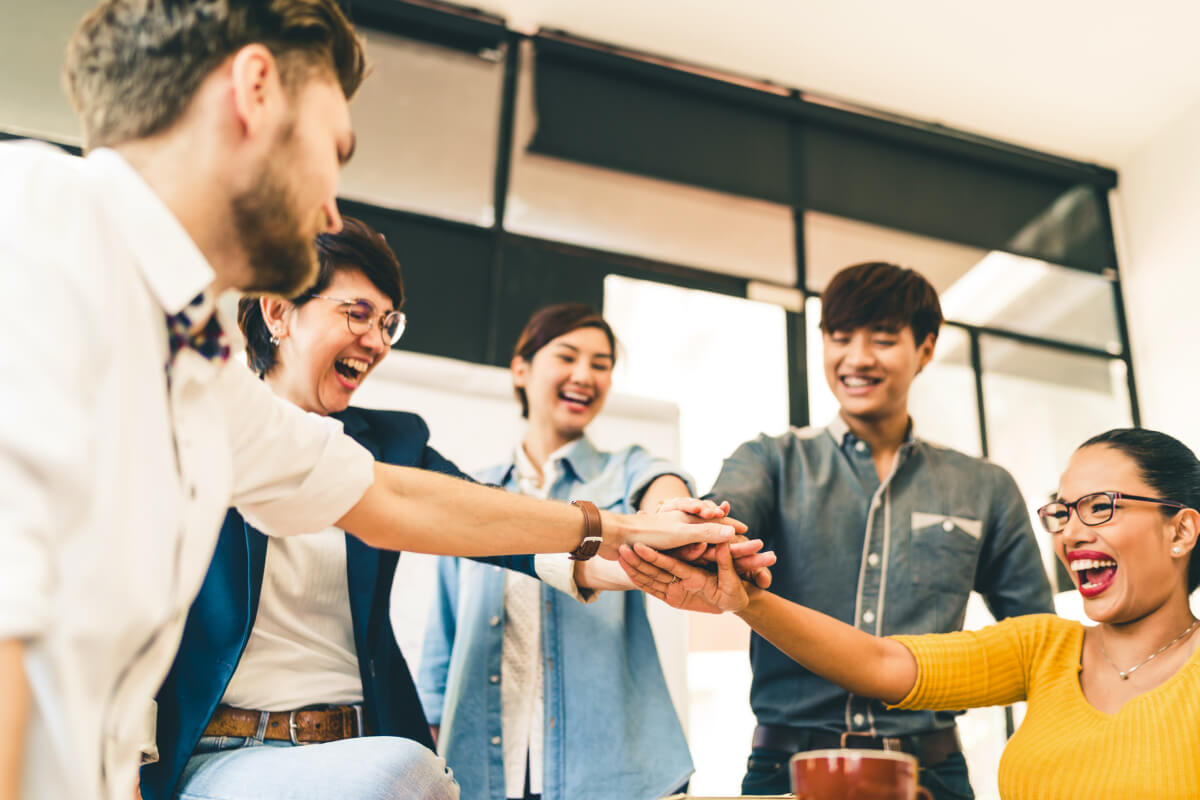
367 768
767 773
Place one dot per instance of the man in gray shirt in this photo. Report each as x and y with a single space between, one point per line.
877 527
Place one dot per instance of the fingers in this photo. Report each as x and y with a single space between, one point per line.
648 572
642 574
728 581
706 509
739 545
748 565
714 532
690 552
666 566
745 547
762 578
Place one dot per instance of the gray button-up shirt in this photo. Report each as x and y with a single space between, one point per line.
890 557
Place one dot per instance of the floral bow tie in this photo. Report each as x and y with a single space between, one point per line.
209 341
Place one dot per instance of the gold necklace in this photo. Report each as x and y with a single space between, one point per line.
1126 673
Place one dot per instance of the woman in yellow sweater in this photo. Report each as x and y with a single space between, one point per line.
1114 709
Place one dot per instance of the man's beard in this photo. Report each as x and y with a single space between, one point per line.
280 253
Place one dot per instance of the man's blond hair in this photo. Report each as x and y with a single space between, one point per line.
133 66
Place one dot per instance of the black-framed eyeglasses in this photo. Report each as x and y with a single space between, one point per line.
1092 509
361 316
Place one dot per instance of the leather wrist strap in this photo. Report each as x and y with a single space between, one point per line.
592 531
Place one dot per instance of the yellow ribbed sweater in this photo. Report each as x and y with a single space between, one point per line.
1065 749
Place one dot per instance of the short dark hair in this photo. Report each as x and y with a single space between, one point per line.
879 294
133 66
359 248
548 324
1167 465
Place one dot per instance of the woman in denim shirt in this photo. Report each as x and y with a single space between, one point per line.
536 694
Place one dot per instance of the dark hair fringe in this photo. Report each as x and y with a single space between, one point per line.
1167 465
548 324
879 294
357 247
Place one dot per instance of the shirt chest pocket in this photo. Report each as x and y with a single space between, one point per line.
946 549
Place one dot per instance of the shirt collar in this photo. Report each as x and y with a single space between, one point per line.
580 456
170 262
839 430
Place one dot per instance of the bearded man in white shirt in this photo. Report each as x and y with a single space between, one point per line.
216 129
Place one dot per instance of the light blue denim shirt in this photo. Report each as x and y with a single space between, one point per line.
611 732
889 557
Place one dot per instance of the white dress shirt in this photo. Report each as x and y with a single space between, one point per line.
113 483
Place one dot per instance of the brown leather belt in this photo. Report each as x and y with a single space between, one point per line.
930 748
303 726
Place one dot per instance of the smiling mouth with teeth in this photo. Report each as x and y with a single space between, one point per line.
859 381
572 397
1095 574
351 368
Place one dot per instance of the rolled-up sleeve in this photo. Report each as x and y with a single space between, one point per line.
294 472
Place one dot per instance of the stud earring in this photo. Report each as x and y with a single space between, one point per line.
1176 550
275 338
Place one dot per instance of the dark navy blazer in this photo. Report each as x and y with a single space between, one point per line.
222 616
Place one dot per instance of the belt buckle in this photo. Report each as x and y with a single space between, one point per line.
292 728
891 743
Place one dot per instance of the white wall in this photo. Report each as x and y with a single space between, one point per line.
1157 216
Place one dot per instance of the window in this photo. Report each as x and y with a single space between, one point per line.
427 121
571 201
721 359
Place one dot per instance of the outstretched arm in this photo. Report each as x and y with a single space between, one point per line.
423 512
859 662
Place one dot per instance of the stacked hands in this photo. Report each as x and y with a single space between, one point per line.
706 575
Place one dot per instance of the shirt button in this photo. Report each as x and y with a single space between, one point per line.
873 560
859 719
494 621
868 616
860 446
495 740
947 526
494 679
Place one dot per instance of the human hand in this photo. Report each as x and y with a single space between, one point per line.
664 531
683 585
740 547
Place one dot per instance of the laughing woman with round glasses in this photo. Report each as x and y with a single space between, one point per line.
289 640
1114 708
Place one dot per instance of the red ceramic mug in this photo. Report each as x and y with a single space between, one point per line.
855 775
